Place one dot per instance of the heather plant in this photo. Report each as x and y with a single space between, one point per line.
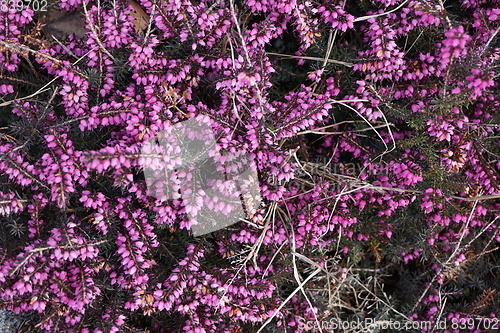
373 126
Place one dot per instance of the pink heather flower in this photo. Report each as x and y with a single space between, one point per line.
440 129
454 44
74 197
6 89
479 81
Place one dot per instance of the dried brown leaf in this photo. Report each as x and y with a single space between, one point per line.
141 19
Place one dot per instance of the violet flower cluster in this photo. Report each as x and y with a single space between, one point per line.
409 88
